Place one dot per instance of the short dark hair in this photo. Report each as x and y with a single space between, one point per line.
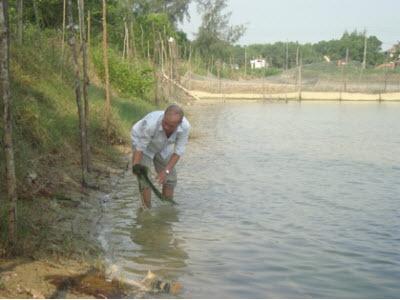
174 109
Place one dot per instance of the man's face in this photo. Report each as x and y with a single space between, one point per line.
170 122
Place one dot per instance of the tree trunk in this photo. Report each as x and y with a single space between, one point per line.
81 9
162 52
106 72
142 40
11 181
124 45
78 93
190 68
20 11
63 36
133 46
88 34
37 13
155 65
127 50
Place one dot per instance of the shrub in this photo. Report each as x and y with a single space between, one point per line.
128 78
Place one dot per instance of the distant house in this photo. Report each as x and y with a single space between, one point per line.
394 51
258 63
394 54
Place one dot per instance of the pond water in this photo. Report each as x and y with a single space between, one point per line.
276 200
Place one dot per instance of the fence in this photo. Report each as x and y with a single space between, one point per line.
322 77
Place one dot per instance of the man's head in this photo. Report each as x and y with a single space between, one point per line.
173 116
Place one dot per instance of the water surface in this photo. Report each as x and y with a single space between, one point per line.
275 200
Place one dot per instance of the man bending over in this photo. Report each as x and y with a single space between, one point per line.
159 139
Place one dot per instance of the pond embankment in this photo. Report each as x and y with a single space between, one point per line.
312 96
285 88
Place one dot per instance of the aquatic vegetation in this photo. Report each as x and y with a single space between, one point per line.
142 173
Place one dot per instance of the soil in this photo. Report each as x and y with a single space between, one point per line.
59 255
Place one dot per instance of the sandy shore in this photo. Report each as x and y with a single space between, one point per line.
311 96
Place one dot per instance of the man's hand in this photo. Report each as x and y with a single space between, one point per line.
162 177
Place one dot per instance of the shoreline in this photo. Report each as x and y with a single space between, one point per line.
296 96
69 262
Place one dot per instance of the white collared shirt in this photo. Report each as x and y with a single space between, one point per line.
149 136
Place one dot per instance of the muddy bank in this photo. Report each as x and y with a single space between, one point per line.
28 278
58 235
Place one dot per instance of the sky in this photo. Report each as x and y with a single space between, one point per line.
308 21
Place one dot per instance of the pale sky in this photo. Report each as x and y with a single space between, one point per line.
309 20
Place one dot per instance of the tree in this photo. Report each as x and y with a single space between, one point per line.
215 34
176 10
7 119
78 94
81 10
354 42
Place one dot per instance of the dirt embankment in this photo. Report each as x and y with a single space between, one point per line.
59 254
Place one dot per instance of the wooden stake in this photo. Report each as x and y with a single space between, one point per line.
106 72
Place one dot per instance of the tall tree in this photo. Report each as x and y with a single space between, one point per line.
176 10
106 71
78 93
215 34
8 135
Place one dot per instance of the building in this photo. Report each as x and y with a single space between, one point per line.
258 63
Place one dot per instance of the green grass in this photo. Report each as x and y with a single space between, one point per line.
46 129
44 106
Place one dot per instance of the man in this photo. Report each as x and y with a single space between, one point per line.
160 139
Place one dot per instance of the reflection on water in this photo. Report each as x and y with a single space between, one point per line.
158 246
293 200
137 240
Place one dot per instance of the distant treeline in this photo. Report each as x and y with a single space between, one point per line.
349 47
136 28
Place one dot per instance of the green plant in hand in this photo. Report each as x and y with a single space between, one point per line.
142 172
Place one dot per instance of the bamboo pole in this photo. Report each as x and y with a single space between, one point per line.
78 93
300 74
88 34
20 14
142 40
82 30
63 36
190 67
8 147
106 72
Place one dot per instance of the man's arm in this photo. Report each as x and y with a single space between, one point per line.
137 157
141 134
180 144
172 162
170 165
